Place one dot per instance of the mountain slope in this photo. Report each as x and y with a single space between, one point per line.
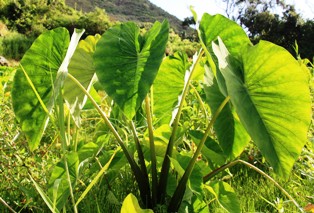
129 10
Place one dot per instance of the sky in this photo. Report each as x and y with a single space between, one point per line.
180 8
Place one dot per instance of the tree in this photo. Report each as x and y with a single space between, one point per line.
188 21
262 22
31 17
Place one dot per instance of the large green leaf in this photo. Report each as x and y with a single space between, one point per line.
127 62
272 100
39 80
230 132
41 63
224 195
82 68
168 85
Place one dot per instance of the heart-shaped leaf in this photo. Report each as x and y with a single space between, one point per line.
41 63
38 82
82 68
127 63
168 86
272 100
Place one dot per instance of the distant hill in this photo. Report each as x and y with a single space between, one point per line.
130 10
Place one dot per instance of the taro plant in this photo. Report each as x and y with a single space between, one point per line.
247 92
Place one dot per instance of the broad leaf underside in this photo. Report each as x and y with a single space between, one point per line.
41 63
272 101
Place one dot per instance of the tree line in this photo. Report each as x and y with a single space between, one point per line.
273 21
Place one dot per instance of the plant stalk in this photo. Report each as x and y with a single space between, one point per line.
166 163
64 147
231 164
177 197
139 149
139 176
200 101
140 156
152 151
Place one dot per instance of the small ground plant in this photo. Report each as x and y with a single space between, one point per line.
240 91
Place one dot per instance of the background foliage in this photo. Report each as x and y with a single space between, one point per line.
264 22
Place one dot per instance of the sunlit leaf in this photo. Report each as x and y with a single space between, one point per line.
40 78
199 205
229 31
231 134
82 68
272 100
161 138
127 62
231 34
41 63
168 86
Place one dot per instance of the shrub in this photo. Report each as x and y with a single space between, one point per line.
94 22
176 44
15 45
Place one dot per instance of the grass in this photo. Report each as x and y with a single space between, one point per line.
108 196
255 193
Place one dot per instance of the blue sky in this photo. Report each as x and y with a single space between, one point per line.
180 8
